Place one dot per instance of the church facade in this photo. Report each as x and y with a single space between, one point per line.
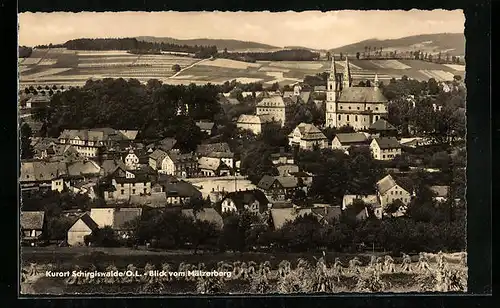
358 107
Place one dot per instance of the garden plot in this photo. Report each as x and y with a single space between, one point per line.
106 64
297 65
31 61
248 80
456 67
352 66
439 75
273 69
390 64
100 53
226 63
108 59
48 72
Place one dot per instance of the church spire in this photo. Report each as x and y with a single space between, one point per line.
347 74
376 81
333 70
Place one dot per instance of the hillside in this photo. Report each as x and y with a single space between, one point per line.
453 43
219 43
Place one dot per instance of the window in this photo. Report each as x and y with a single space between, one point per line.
133 191
349 107
383 156
145 190
133 184
339 117
347 117
392 193
341 107
376 108
145 184
356 118
122 184
358 108
123 191
368 108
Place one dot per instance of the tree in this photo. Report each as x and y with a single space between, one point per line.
357 55
103 237
328 56
433 86
176 68
368 83
27 150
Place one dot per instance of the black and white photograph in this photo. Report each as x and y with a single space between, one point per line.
218 152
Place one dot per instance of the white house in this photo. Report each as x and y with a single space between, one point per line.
131 160
252 200
370 200
253 123
306 136
343 141
83 226
385 148
441 193
388 191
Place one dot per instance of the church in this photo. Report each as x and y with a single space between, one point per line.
358 107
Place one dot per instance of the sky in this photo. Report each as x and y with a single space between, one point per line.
312 29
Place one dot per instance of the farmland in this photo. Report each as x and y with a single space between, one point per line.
69 67
279 272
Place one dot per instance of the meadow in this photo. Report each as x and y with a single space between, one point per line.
70 67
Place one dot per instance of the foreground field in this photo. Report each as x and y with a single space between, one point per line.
244 273
69 67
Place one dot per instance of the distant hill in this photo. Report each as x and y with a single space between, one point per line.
219 43
453 43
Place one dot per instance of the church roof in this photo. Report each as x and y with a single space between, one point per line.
362 95
382 124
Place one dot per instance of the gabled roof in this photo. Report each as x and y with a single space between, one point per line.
109 166
88 221
320 88
220 154
83 168
440 191
205 125
327 212
287 181
174 187
362 95
387 143
181 158
389 182
272 101
383 125
158 155
42 171
210 163
207 214
347 138
247 197
255 119
266 182
32 220
166 144
204 149
96 134
305 96
308 132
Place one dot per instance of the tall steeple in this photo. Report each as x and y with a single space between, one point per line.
347 74
333 70
376 81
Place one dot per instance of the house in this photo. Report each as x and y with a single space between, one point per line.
131 159
177 192
43 147
388 191
277 187
122 184
385 148
254 123
210 166
413 142
251 200
370 200
88 188
441 193
305 177
206 214
119 219
275 106
83 226
357 107
226 157
37 101
343 141
383 128
207 148
320 89
282 157
32 223
91 142
84 169
109 166
37 175
156 158
307 136
324 213
207 127
180 165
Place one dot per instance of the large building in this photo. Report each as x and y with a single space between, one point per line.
358 107
274 106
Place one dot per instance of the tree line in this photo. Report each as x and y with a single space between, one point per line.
280 55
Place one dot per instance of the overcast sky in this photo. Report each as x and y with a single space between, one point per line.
312 29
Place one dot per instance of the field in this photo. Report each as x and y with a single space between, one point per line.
67 67
246 273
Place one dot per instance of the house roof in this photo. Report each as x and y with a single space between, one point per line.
280 216
367 199
153 200
247 197
32 220
88 221
174 187
320 88
387 143
327 212
210 163
42 144
347 138
165 144
42 171
288 168
287 181
204 149
220 154
266 182
207 214
440 191
95 134
158 155
382 124
308 132
83 167
180 158
385 184
305 96
272 101
109 166
205 125
362 95
255 119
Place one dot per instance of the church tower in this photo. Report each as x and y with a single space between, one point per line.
332 94
346 80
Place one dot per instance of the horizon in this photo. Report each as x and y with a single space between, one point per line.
312 28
